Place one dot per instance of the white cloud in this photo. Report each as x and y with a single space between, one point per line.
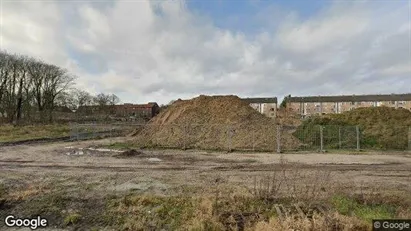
402 69
146 51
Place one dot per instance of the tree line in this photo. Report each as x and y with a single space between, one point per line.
31 90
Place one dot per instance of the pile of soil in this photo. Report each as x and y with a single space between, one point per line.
288 117
129 153
381 127
212 122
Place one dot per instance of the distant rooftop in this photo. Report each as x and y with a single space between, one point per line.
261 100
351 98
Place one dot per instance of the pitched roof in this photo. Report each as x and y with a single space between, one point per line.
261 100
352 98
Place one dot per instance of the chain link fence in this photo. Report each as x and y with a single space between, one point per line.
277 138
93 130
324 138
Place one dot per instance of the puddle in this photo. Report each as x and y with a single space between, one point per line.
89 151
154 159
75 153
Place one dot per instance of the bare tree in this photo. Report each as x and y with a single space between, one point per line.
113 99
29 86
82 98
5 72
21 68
67 99
102 99
49 81
57 80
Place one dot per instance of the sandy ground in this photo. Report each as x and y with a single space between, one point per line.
160 170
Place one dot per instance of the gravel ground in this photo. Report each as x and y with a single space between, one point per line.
173 168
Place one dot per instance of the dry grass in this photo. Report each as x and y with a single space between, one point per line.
332 221
217 205
10 133
293 184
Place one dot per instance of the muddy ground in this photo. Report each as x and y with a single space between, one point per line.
78 165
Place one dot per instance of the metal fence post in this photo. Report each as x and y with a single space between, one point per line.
321 139
253 139
229 138
279 139
77 131
184 135
409 138
357 128
339 137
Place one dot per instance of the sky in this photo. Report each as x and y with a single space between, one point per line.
145 51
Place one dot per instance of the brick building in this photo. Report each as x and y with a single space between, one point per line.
311 105
266 106
149 110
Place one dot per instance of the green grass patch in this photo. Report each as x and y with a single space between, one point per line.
10 133
349 206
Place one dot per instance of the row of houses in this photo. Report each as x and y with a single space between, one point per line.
318 105
266 106
302 105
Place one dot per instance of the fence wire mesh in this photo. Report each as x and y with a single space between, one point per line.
242 137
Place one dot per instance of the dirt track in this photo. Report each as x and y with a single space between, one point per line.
174 168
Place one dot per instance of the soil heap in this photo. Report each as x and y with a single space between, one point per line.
288 117
212 122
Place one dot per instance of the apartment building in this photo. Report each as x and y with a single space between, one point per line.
311 105
266 106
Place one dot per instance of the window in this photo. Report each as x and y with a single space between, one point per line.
392 102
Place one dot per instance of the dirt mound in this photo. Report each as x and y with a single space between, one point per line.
129 153
212 122
381 127
288 117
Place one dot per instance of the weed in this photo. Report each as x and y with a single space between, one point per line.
71 219
351 207
10 133
3 190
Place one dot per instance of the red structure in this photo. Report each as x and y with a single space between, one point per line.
149 110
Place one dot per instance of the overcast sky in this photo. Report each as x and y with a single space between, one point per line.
163 50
